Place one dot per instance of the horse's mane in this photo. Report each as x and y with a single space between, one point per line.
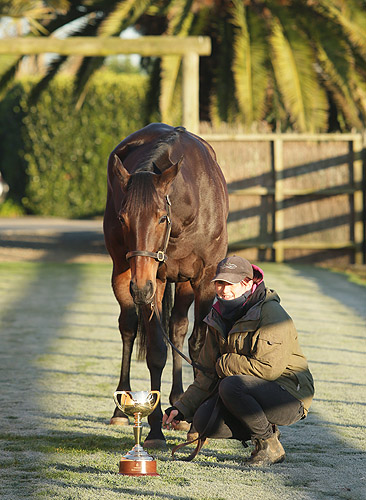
160 152
141 191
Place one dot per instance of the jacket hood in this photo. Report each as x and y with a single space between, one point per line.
258 273
250 317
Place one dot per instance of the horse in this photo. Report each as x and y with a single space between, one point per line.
164 223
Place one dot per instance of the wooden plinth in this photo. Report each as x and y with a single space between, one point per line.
137 467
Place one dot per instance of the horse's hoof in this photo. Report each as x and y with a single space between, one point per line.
155 443
119 421
183 426
192 436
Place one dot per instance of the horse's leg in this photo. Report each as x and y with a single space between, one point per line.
128 328
156 356
178 330
204 293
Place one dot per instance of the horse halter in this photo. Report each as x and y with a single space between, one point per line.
160 255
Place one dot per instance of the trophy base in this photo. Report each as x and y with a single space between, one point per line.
137 467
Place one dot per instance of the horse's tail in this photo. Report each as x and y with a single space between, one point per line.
167 307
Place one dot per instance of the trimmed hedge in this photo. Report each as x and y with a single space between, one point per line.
64 151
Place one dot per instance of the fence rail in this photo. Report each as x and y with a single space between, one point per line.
355 189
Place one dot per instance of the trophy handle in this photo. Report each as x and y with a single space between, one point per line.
123 393
157 399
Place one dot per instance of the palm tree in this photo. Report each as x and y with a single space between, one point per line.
33 12
298 64
290 62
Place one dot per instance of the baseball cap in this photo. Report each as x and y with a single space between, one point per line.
233 269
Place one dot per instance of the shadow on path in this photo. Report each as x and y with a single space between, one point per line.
29 322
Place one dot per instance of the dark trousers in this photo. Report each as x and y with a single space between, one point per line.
247 407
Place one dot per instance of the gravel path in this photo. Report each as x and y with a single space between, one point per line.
59 365
36 239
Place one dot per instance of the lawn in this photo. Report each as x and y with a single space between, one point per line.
60 360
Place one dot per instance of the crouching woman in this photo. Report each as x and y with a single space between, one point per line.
256 377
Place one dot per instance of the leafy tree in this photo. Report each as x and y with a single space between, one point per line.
298 64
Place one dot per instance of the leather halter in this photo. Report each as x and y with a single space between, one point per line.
160 255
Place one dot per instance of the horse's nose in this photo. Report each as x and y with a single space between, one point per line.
142 295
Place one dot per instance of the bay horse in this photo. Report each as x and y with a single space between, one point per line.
164 222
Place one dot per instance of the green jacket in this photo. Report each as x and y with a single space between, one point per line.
263 343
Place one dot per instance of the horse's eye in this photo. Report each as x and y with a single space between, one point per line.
121 219
162 219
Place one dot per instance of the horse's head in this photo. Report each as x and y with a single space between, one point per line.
145 223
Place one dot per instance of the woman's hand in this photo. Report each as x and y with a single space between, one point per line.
169 420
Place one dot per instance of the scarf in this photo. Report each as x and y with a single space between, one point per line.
232 310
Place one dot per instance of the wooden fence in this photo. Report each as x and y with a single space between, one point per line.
338 176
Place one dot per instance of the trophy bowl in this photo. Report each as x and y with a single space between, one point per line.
137 462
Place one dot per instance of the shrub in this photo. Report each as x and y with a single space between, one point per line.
65 149
9 208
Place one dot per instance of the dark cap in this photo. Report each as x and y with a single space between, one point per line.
233 270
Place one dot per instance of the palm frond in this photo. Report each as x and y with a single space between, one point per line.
10 73
350 15
201 22
339 69
179 17
179 25
37 13
85 29
53 69
336 80
37 27
249 64
124 14
87 68
73 15
294 68
59 6
222 101
359 92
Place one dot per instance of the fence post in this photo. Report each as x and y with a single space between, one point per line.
358 208
190 92
279 215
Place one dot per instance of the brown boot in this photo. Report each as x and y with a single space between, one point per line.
267 451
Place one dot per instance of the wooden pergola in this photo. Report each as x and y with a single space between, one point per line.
189 48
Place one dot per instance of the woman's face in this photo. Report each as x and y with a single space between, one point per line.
228 291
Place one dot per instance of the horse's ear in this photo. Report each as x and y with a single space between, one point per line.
156 169
168 176
120 171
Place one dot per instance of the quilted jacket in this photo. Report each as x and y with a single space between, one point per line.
263 343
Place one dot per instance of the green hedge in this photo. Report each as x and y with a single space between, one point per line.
63 152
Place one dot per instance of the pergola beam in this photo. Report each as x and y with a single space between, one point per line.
106 46
189 48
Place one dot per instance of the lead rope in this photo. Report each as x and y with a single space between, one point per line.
154 308
203 436
206 431
162 257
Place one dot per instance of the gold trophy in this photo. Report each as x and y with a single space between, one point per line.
137 462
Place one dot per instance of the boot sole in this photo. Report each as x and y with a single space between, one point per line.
264 463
